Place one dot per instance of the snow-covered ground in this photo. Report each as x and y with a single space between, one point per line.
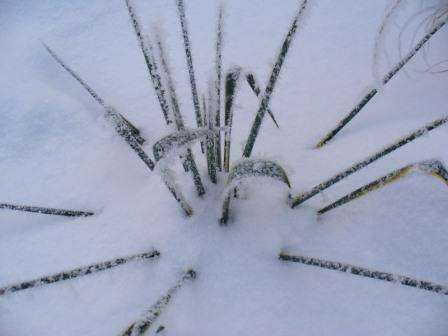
56 150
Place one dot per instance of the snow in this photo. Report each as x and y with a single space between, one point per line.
56 150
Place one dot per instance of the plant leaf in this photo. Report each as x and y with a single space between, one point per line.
139 327
299 199
432 167
211 140
165 146
189 57
189 162
366 272
147 51
232 78
46 211
249 168
385 80
218 84
77 272
264 104
250 78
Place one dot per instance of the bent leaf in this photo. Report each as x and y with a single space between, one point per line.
176 140
247 169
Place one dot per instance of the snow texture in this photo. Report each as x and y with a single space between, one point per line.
57 150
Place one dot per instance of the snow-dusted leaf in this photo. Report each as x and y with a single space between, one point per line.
366 272
210 143
139 327
250 78
121 125
147 51
170 181
275 73
359 106
77 272
432 167
299 199
47 211
177 140
189 161
232 79
189 58
249 168
218 83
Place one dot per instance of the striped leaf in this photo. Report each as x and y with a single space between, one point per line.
299 199
432 167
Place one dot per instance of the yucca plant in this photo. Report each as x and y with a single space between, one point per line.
217 109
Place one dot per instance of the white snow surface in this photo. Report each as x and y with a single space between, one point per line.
57 151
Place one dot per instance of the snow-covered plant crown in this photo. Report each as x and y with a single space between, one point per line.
214 117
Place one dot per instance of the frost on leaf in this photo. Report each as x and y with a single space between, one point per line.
143 324
177 140
248 168
433 168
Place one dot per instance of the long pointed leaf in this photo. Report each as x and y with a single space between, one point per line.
46 211
146 49
134 130
116 119
189 161
385 80
366 272
433 167
218 84
264 104
250 77
77 272
232 78
189 57
139 327
211 140
299 199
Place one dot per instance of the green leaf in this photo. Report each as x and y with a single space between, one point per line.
249 168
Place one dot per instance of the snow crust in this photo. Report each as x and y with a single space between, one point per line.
56 150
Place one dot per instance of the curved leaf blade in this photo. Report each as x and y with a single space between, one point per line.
249 168
173 141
